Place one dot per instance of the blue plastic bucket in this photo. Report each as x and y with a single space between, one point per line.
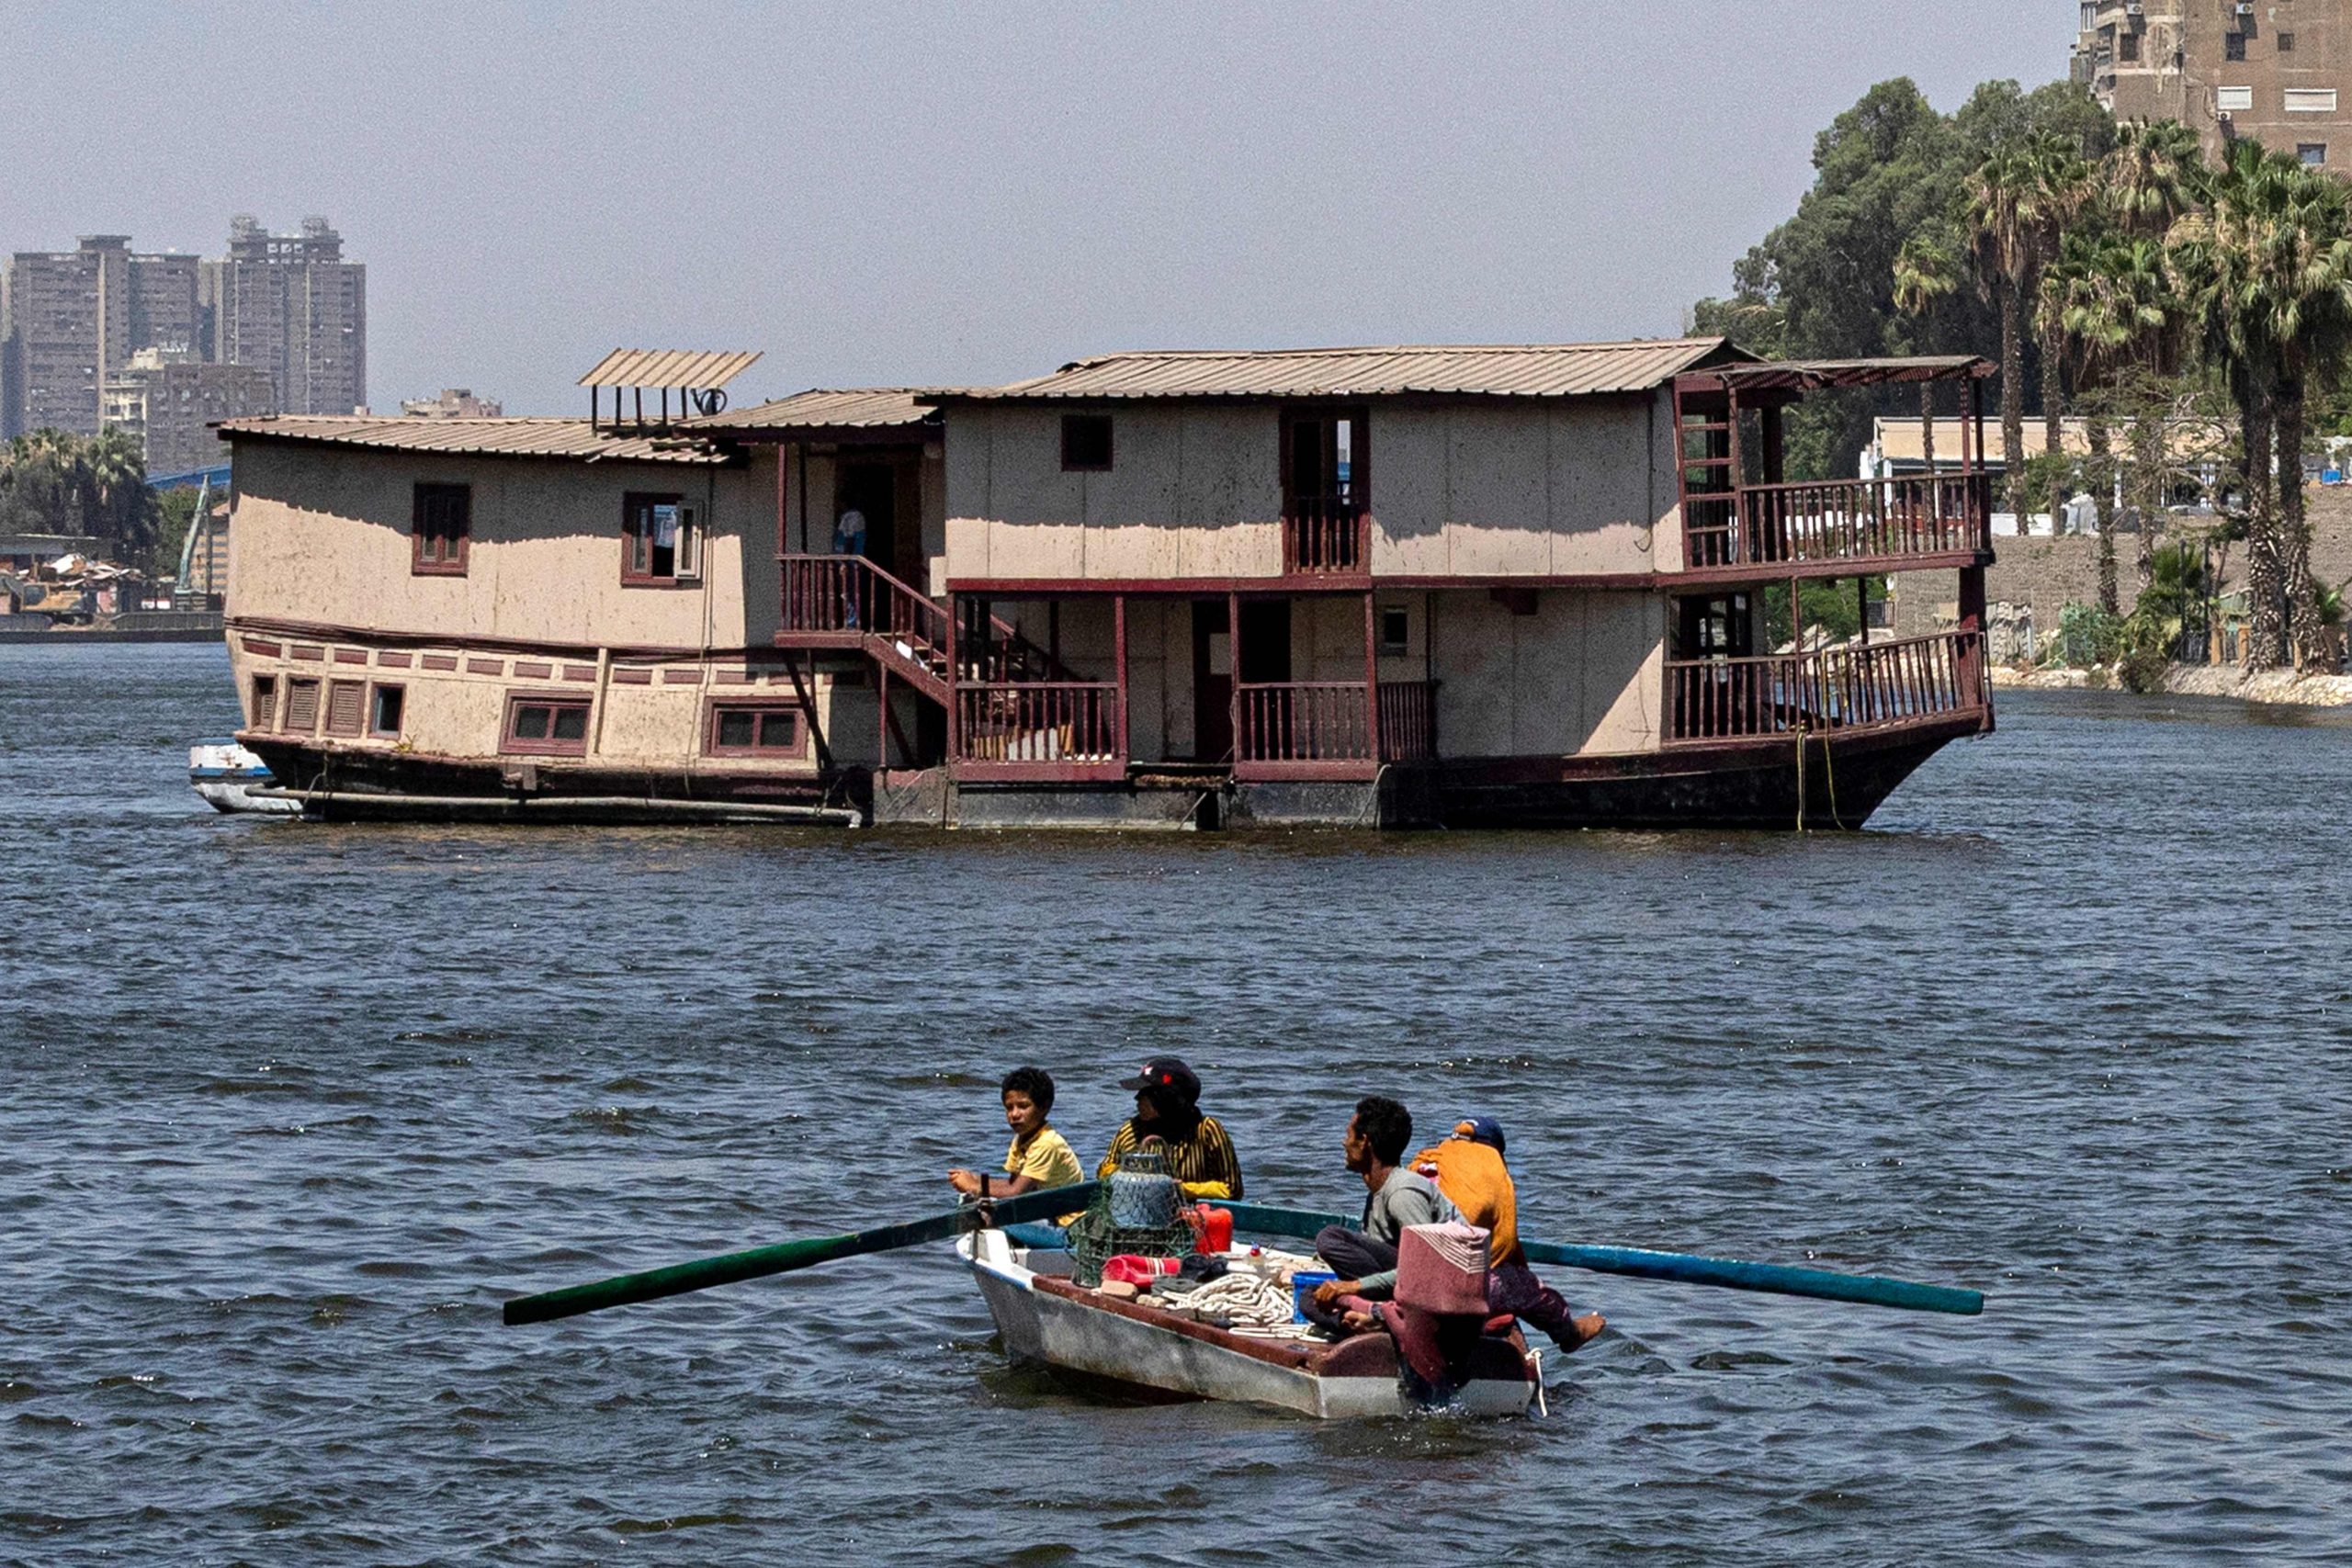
1302 1290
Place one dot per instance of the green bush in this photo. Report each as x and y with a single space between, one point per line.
2087 636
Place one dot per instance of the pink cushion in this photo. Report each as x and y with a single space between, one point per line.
1442 1270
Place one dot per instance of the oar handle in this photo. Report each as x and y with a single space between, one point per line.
760 1261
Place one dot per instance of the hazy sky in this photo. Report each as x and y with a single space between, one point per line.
932 195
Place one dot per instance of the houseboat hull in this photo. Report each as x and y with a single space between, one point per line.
1748 784
1041 1317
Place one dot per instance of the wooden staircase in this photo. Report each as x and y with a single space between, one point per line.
847 602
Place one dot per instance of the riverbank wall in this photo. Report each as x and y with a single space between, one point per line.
2282 687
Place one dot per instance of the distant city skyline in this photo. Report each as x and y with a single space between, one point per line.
880 195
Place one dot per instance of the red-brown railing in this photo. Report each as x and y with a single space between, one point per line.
1840 520
1326 721
850 593
1042 722
1408 721
1873 685
1325 533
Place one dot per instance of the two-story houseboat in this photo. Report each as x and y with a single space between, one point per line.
1518 585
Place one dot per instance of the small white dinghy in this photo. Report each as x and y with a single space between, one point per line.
1044 1316
225 775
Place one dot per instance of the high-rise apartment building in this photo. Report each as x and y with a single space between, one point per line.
2270 70
70 320
168 399
290 304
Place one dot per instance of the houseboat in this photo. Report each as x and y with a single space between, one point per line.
1469 586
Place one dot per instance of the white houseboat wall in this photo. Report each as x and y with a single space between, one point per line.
1482 586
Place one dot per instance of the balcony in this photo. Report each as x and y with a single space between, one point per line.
1325 536
1913 682
1325 729
1870 524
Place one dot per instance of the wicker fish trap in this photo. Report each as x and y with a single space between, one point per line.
1109 1226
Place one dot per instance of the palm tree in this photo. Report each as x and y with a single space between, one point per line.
2311 323
2020 202
2064 184
2151 176
1927 269
2086 293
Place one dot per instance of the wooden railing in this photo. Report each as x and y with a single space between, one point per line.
1869 686
1326 721
1325 533
1839 519
1408 721
1041 722
850 593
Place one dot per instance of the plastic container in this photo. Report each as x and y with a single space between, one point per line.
1217 1229
1138 1271
1302 1291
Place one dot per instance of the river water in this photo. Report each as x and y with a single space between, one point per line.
291 1108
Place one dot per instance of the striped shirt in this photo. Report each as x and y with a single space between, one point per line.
1204 1164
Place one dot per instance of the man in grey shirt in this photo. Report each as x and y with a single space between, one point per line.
1365 1259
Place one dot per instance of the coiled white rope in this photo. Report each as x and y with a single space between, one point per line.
1242 1298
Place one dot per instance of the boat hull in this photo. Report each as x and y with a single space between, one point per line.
224 776
1058 1329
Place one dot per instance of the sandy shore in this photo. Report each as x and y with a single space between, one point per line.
2281 687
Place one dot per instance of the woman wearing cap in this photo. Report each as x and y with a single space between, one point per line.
1168 1122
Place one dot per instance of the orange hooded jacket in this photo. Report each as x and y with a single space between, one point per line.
1476 1179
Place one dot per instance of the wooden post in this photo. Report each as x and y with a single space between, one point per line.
1862 601
882 712
1119 638
954 680
1233 668
1371 678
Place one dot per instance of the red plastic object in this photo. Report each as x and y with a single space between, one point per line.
1137 1270
1217 1229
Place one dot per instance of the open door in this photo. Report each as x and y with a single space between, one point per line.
1212 683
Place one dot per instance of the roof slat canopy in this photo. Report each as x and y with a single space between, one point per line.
669 367
824 408
1526 370
1817 373
506 437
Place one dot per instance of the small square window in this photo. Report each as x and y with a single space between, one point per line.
2127 47
753 729
442 525
263 711
2233 46
302 705
2286 44
2312 153
384 710
557 725
1395 630
1086 443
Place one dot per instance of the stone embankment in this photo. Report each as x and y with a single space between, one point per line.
2281 687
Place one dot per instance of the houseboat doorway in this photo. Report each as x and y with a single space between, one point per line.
886 491
1212 683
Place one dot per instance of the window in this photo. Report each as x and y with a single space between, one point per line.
2311 100
2233 46
384 710
2127 47
661 539
263 712
2312 153
2286 44
346 702
442 521
1395 630
2228 98
753 729
302 705
1086 443
558 726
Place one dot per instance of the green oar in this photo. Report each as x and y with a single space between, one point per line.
1682 1267
727 1269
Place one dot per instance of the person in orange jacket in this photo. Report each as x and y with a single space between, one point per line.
1468 1169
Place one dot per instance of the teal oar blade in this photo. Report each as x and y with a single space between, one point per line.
1681 1267
782 1258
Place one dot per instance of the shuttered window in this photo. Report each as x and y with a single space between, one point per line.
302 705
264 714
346 702
443 523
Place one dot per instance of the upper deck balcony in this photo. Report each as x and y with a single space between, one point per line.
1743 520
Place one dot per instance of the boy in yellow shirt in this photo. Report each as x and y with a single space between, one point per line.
1039 1155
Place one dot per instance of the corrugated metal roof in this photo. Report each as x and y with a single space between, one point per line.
515 437
1516 370
1860 372
855 408
669 367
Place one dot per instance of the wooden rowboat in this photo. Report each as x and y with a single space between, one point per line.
1044 1316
